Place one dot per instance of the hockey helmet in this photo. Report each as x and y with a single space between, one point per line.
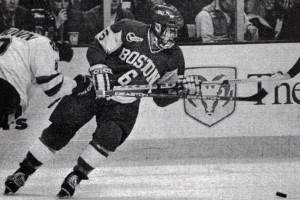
43 23
166 21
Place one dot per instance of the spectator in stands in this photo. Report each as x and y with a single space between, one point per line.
94 18
84 5
67 20
253 9
141 10
283 16
216 23
12 15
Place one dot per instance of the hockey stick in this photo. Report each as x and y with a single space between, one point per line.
54 102
286 76
293 71
256 97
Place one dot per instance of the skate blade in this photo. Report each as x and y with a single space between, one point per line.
7 190
63 194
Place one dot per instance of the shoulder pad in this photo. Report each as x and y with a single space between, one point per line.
128 25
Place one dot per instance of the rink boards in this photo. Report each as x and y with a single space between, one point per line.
276 115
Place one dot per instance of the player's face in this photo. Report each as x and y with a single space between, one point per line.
269 4
227 6
60 4
10 5
250 6
166 36
114 5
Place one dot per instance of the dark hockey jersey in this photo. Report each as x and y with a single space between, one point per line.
125 48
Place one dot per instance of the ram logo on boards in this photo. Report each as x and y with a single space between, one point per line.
210 112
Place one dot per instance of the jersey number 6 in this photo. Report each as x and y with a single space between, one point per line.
126 78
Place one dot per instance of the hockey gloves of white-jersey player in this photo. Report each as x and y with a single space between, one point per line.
188 85
84 84
101 77
65 51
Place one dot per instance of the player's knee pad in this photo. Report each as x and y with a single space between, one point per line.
56 137
108 135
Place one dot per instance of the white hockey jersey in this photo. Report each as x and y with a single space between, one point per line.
27 58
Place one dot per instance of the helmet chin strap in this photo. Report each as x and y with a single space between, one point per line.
167 45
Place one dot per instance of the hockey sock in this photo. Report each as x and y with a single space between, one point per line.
82 168
91 158
29 165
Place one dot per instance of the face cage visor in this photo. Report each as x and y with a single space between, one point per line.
165 35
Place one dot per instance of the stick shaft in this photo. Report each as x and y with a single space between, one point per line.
229 81
256 97
292 72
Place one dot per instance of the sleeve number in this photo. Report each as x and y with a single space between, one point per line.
4 44
103 34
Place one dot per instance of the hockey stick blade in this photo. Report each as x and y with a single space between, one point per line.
295 69
256 97
286 76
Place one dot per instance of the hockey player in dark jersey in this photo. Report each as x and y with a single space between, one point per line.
126 53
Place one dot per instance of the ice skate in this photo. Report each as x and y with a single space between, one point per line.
69 185
14 182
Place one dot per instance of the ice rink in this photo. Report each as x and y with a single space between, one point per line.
167 164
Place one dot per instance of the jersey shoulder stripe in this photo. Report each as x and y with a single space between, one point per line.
46 79
50 84
54 90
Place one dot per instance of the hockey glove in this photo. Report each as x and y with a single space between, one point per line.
84 85
65 51
101 77
188 85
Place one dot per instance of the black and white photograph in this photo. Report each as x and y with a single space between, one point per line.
150 99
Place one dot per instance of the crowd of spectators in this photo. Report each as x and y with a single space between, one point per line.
216 23
12 15
205 20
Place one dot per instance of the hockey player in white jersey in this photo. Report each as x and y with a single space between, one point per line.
28 58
